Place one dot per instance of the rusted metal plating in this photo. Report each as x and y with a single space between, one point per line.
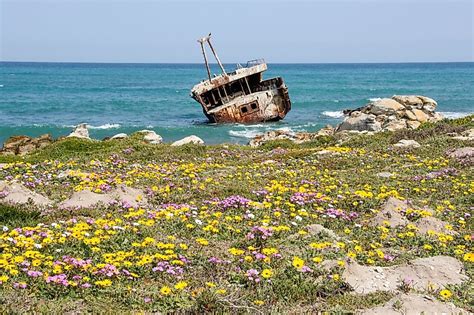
241 96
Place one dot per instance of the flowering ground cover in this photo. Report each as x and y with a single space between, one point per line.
236 229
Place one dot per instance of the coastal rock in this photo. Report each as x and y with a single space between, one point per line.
467 135
410 100
391 114
16 193
151 137
414 303
404 143
282 134
21 145
360 121
188 140
119 136
424 273
80 131
328 130
413 124
396 125
385 106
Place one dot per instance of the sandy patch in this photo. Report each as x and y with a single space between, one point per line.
16 193
414 304
435 272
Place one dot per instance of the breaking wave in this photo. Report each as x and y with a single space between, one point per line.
333 114
374 99
248 134
454 115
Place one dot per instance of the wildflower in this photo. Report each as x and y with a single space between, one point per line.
298 263
317 259
180 285
221 291
267 273
202 241
258 302
445 294
103 283
165 290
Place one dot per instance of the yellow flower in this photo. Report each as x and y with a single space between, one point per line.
258 302
210 284
317 259
221 291
103 283
267 273
298 263
165 290
202 241
180 285
469 257
3 278
445 294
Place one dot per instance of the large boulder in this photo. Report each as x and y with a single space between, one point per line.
21 145
80 131
360 121
385 106
398 112
285 134
188 140
151 137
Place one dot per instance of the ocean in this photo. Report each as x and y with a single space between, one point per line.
38 98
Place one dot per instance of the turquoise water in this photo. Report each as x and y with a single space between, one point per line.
37 98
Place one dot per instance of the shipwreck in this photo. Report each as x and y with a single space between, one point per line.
241 96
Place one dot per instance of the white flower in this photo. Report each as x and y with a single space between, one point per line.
251 215
198 222
298 218
5 228
294 223
38 246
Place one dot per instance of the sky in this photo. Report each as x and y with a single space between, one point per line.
281 31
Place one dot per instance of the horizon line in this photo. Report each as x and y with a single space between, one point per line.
201 63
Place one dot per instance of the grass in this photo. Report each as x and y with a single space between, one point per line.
216 214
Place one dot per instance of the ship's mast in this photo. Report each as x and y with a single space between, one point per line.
207 40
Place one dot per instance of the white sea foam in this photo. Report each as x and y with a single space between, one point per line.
374 99
335 101
454 115
248 134
1 85
105 126
333 114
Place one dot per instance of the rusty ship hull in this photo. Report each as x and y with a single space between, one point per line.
241 96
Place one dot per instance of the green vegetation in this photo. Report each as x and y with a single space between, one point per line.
229 228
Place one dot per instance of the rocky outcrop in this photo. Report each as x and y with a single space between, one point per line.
467 135
404 143
188 140
151 137
283 134
21 145
398 112
119 136
80 131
